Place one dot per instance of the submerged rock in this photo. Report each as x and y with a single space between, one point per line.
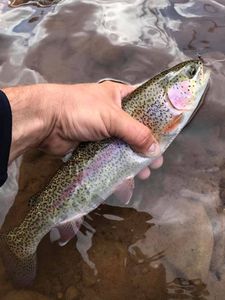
71 293
182 234
24 295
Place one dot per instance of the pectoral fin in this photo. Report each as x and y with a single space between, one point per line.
124 191
65 231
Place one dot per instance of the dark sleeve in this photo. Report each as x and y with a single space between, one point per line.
5 135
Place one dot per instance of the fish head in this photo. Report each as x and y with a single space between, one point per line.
186 85
166 102
181 91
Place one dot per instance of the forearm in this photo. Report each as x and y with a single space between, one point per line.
29 126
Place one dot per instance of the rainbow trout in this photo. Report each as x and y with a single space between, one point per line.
95 170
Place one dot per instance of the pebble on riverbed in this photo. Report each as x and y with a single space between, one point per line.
71 293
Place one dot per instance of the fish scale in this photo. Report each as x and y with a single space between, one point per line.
96 169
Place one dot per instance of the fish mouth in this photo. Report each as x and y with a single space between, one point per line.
202 97
206 76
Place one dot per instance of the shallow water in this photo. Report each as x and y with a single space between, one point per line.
169 242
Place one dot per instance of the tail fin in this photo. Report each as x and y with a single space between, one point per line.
20 268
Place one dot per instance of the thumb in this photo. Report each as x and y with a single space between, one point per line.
137 135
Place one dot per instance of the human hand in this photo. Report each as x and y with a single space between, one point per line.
94 113
61 116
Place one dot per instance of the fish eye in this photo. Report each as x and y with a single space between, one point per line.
191 72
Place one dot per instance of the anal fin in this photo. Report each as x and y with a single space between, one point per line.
124 191
65 231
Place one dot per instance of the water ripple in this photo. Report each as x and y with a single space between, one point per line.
172 232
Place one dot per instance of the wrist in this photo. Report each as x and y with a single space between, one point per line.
28 118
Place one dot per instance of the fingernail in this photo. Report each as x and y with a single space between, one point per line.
154 149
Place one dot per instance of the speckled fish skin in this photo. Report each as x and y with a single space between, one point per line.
97 168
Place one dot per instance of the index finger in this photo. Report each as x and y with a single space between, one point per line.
122 87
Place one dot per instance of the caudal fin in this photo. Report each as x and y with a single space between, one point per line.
20 268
